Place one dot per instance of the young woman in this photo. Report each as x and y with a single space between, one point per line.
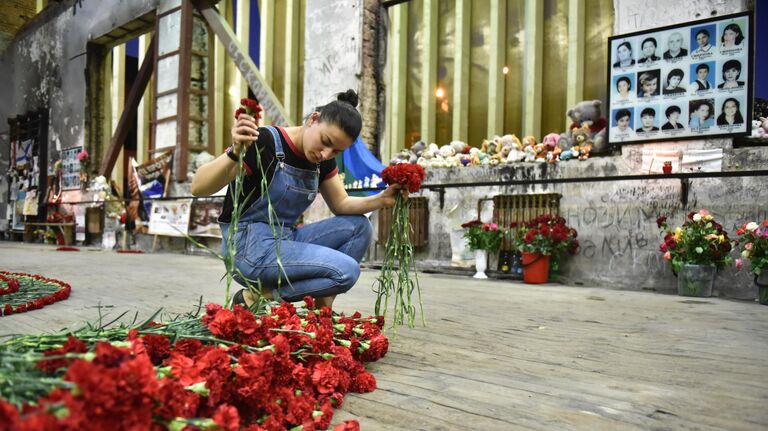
623 86
731 73
624 55
731 38
621 130
731 113
673 119
674 78
701 116
320 259
649 84
702 38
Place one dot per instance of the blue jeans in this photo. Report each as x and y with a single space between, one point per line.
319 259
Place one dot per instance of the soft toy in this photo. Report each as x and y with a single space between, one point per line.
586 113
581 137
757 129
530 153
554 155
418 148
550 141
459 147
541 152
447 151
571 153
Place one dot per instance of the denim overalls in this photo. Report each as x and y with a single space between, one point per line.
319 259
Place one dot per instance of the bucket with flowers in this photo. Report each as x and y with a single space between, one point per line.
696 250
540 240
482 238
753 242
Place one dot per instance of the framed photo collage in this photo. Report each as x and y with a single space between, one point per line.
688 81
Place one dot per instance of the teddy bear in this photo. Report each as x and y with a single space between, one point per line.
541 152
582 138
586 113
757 129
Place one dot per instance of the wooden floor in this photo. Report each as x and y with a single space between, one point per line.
494 355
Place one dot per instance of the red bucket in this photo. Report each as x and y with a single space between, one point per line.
535 268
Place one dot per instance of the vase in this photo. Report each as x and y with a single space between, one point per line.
481 263
535 268
696 280
762 287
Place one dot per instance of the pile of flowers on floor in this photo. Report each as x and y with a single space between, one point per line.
219 369
24 292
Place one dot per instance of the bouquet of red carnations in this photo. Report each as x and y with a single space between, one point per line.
400 282
229 369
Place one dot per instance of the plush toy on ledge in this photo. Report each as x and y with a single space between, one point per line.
586 113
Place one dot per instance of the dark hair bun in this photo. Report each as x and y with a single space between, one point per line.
349 96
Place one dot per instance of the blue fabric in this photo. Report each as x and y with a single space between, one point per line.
319 259
361 163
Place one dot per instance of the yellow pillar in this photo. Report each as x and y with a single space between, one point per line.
398 79
495 69
40 5
266 42
143 113
221 122
291 82
429 76
243 31
576 30
461 72
533 60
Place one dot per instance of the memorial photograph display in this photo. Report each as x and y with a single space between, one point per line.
686 81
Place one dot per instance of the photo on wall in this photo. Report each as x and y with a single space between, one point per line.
686 81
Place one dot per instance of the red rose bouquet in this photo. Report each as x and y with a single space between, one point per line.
399 251
546 234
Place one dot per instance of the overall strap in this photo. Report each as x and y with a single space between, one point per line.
279 154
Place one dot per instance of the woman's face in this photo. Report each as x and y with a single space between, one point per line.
702 39
729 37
702 74
731 74
703 112
730 108
623 87
647 121
674 81
649 86
323 141
674 117
624 53
649 48
622 123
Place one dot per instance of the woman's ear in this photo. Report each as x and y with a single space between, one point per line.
313 117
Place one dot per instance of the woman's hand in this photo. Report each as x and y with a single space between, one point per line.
244 132
389 196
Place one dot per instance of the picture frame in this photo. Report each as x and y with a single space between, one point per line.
686 81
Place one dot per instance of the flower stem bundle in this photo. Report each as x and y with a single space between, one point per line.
396 280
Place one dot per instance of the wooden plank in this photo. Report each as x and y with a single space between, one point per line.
181 153
129 113
460 95
260 88
429 71
576 42
533 61
496 75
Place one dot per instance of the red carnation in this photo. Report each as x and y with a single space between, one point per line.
405 174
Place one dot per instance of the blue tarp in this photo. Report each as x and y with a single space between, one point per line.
360 163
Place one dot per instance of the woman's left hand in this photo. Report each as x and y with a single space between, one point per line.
389 196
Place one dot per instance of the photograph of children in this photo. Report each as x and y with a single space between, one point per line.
676 46
647 123
623 56
731 75
621 125
730 112
702 77
704 35
702 115
731 40
675 115
649 48
622 88
648 83
674 82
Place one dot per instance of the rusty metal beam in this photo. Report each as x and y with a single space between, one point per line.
269 102
129 112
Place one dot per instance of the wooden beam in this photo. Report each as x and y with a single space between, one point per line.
533 61
181 153
266 43
261 90
220 93
143 113
460 96
496 75
399 77
118 104
429 72
243 32
576 31
129 112
291 82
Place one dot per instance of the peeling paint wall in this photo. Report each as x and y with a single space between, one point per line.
45 64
